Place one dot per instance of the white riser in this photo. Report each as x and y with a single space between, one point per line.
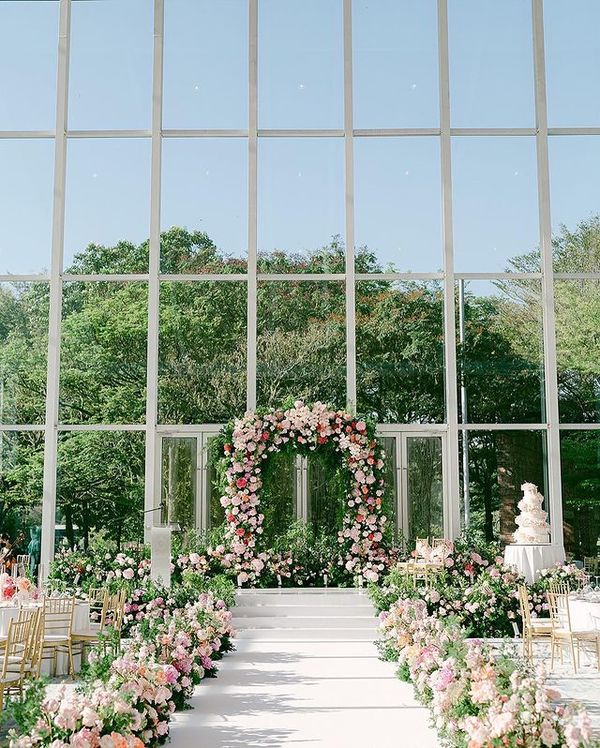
285 611
308 598
304 622
296 635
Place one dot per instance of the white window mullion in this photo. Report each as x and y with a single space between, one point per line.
550 367
152 489
252 202
58 219
451 496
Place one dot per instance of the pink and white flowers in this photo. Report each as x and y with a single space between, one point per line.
255 437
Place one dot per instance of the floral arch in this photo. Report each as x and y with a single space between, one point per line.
250 440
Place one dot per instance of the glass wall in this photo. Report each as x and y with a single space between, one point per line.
349 214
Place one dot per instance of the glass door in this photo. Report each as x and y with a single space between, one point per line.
188 492
423 485
415 477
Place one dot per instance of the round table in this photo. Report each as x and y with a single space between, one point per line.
529 560
585 614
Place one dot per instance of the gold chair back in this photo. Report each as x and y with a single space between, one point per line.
58 616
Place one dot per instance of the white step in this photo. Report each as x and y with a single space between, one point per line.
282 610
316 634
247 598
305 622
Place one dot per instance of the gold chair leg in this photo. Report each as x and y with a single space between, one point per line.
572 644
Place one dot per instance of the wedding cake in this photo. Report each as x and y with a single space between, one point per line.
533 528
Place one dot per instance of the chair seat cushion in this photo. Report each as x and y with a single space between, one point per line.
55 639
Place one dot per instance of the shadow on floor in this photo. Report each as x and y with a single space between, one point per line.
225 736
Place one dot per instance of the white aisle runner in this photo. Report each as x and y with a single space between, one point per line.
305 674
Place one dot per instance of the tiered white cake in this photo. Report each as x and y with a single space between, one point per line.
533 527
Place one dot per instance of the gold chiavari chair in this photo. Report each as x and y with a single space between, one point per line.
17 661
562 632
58 630
99 617
557 587
533 629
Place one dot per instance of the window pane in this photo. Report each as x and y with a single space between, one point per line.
494 187
28 53
202 352
572 62
577 307
425 487
301 71
103 353
21 478
26 184
491 63
499 463
580 465
300 204
110 69
100 487
574 190
205 190
23 352
400 351
179 473
206 78
397 204
301 346
107 206
395 64
500 354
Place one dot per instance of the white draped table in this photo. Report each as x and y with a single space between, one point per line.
81 625
531 559
585 614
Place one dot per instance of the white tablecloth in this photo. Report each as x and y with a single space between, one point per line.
531 559
585 615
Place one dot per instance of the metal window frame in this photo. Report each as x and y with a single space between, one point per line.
447 276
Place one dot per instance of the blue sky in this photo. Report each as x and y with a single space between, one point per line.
300 181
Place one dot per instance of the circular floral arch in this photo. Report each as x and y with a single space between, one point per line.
253 438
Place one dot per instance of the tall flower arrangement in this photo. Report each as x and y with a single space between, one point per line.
253 438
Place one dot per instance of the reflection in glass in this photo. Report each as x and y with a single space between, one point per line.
100 487
107 206
326 495
103 352
491 63
500 351
27 168
28 54
424 476
110 65
301 342
495 205
300 203
23 352
278 496
300 73
400 351
206 78
580 469
574 191
178 481
572 62
202 352
499 463
205 190
397 204
395 67
577 310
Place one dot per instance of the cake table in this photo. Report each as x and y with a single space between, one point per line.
531 559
